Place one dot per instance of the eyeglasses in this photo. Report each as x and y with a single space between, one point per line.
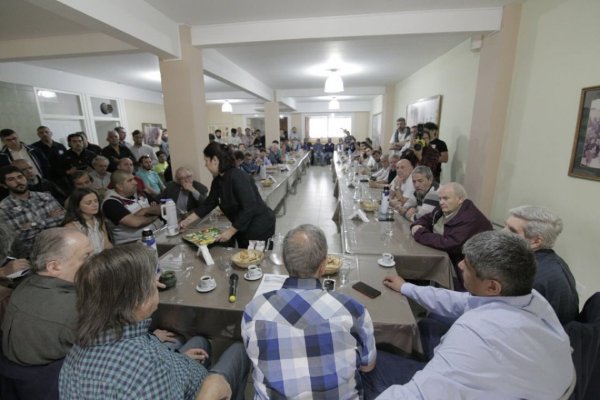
181 178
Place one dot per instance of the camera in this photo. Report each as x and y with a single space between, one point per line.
419 144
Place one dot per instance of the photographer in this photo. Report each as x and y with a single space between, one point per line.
420 153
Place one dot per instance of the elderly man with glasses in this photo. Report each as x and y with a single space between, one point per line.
187 193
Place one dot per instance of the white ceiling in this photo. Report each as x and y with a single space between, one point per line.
282 66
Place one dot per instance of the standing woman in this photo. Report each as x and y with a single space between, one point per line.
235 192
83 213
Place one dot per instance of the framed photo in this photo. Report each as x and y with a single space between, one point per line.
424 110
585 156
153 132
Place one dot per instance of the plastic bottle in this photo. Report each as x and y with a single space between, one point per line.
385 200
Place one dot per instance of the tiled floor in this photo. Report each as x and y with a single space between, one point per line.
314 204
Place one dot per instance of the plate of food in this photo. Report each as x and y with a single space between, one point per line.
334 263
204 237
369 205
245 258
266 183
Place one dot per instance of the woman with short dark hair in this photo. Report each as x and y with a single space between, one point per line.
236 194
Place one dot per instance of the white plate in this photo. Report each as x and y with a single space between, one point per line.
385 264
199 289
246 277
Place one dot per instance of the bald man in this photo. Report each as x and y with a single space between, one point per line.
450 224
402 187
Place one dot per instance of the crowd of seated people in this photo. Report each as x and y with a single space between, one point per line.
70 215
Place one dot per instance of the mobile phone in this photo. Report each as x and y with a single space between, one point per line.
329 284
367 290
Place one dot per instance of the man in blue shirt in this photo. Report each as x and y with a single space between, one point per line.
305 342
151 179
506 342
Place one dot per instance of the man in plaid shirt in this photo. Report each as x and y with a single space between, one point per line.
26 212
305 342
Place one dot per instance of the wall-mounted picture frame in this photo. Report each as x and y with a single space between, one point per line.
424 110
152 132
585 156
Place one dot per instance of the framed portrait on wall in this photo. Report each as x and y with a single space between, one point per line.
424 110
152 133
585 156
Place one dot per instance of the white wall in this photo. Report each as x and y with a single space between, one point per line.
139 112
558 54
454 76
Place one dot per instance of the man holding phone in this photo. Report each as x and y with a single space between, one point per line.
506 342
326 336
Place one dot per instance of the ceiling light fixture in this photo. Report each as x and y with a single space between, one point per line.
226 107
334 83
334 104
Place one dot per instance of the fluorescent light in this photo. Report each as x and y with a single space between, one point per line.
334 83
47 94
226 107
334 104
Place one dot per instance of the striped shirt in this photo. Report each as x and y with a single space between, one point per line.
305 342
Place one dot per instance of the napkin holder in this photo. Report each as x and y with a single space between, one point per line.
360 214
203 249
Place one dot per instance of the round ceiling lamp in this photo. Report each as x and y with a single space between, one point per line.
334 83
226 107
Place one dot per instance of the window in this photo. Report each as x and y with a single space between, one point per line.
326 126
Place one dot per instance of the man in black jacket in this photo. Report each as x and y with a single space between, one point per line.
186 192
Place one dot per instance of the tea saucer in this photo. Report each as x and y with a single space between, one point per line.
386 264
247 277
205 290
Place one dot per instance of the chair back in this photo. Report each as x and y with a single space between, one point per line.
37 382
584 334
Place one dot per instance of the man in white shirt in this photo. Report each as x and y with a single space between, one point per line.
402 187
506 342
139 148
234 139
400 137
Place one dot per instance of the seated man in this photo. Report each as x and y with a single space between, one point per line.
553 279
425 197
37 183
40 321
151 179
129 212
100 175
402 188
275 153
26 212
248 165
186 192
387 174
374 160
506 343
305 342
115 357
262 156
329 148
451 223
381 174
81 180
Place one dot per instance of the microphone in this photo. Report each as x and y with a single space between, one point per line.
233 281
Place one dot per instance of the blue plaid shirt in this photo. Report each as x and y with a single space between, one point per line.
137 366
307 343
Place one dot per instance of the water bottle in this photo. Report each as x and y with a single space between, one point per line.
385 200
168 211
148 239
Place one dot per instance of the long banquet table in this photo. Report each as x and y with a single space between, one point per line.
413 260
189 312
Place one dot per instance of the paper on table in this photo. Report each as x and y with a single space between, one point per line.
269 283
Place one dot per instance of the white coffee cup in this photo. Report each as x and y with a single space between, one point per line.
206 282
387 258
254 272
